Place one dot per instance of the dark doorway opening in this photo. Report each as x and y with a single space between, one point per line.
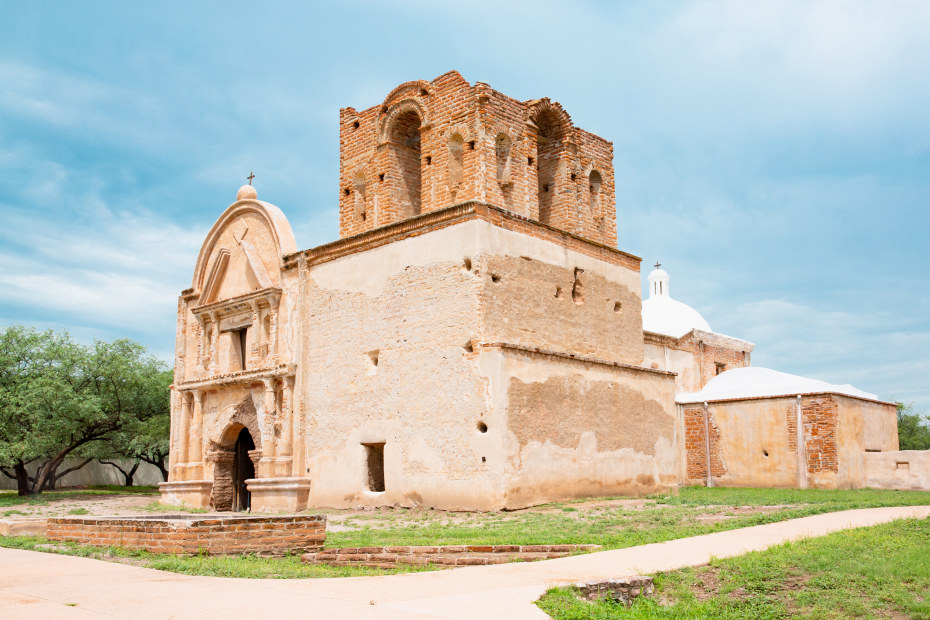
243 469
374 453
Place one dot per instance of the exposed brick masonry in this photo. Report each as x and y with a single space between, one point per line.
820 416
181 534
434 144
695 442
446 555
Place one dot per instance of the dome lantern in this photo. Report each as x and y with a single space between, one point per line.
658 282
664 315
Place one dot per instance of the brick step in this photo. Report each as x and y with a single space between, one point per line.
446 555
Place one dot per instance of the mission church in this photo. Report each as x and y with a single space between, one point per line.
474 339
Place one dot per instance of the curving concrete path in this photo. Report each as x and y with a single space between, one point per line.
43 585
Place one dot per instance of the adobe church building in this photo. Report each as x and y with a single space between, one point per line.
474 339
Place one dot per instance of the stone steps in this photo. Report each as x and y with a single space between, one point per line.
445 555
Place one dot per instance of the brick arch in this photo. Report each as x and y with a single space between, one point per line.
461 129
397 110
545 113
244 415
414 86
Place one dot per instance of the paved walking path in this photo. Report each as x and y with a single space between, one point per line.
44 585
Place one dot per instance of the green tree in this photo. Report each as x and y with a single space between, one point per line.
913 431
143 440
59 398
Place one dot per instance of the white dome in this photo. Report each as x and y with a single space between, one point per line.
664 315
756 382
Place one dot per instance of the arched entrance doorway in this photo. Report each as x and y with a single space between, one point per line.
243 469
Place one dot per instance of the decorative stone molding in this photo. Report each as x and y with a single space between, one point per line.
242 377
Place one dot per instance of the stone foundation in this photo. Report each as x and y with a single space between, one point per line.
622 590
193 493
279 494
187 535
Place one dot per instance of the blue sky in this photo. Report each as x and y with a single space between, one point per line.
774 156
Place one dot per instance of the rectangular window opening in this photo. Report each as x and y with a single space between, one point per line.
374 456
243 335
720 367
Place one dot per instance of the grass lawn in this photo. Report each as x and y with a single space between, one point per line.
610 522
694 511
247 566
879 571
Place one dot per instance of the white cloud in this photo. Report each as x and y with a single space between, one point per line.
832 344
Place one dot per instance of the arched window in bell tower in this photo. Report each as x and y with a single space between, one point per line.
548 149
404 143
594 198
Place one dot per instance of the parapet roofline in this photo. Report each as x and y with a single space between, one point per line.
690 398
712 338
456 214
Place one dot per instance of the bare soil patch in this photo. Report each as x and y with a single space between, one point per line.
70 504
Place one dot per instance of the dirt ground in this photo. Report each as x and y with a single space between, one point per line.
69 503
77 502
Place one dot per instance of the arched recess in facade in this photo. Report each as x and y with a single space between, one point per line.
399 135
233 420
274 218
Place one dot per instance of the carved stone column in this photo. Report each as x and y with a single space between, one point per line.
269 447
286 449
256 332
183 433
287 415
213 334
273 336
195 449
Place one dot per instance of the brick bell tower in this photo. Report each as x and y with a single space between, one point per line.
431 145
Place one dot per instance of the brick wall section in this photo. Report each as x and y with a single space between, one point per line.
820 415
695 451
791 423
446 555
705 356
713 355
186 536
474 143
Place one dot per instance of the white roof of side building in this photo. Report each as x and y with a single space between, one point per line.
755 382
664 315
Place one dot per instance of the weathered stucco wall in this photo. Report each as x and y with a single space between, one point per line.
898 469
667 357
393 343
572 428
755 445
863 426
386 335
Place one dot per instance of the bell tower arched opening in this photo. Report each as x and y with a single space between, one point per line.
548 150
404 144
